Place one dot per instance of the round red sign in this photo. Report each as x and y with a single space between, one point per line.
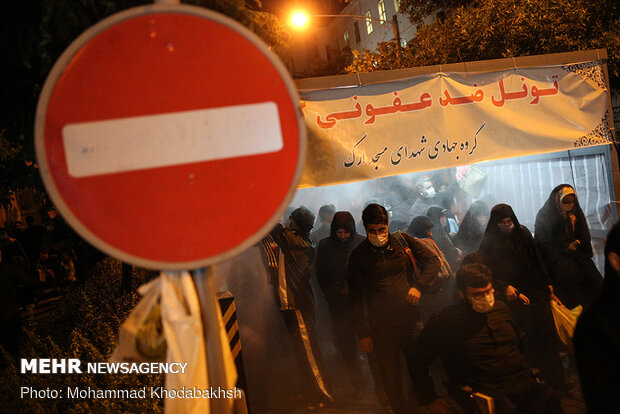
170 137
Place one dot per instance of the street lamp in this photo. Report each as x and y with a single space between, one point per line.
300 19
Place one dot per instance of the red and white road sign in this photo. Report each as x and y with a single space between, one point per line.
170 137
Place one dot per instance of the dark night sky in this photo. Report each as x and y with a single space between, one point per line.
280 7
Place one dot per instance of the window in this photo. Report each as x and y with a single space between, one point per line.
381 7
397 5
356 26
369 27
346 38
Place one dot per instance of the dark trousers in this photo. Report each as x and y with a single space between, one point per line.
300 325
537 399
576 282
537 322
389 343
346 340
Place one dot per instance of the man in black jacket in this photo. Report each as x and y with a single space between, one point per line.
385 293
482 347
290 253
332 258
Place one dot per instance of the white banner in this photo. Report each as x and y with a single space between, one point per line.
449 119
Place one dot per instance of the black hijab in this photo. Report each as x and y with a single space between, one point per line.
470 231
441 236
557 228
493 235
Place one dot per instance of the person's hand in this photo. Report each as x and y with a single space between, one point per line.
553 297
413 296
524 299
573 246
440 406
366 345
459 255
557 299
552 293
511 293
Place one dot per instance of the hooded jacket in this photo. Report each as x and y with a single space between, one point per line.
293 253
332 256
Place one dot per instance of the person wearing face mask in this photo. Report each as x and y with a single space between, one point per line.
332 258
289 252
563 237
472 228
426 197
522 282
385 290
480 346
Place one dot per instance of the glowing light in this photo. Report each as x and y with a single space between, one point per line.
299 19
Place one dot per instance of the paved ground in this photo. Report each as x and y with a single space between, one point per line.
366 402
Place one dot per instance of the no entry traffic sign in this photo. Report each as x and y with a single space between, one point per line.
170 137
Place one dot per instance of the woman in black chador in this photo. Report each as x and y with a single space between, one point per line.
522 281
563 238
472 228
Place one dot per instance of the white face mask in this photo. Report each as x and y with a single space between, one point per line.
429 192
483 304
379 240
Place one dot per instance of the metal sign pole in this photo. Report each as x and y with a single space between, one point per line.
210 310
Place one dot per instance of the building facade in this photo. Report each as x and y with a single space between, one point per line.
362 24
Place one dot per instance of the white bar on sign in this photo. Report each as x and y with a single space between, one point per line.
136 143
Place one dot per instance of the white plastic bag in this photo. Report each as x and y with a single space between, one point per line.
565 322
141 337
183 329
170 312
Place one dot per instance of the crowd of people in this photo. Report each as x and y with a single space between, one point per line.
475 293
36 260
472 290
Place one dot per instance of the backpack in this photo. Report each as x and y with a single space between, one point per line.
445 272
